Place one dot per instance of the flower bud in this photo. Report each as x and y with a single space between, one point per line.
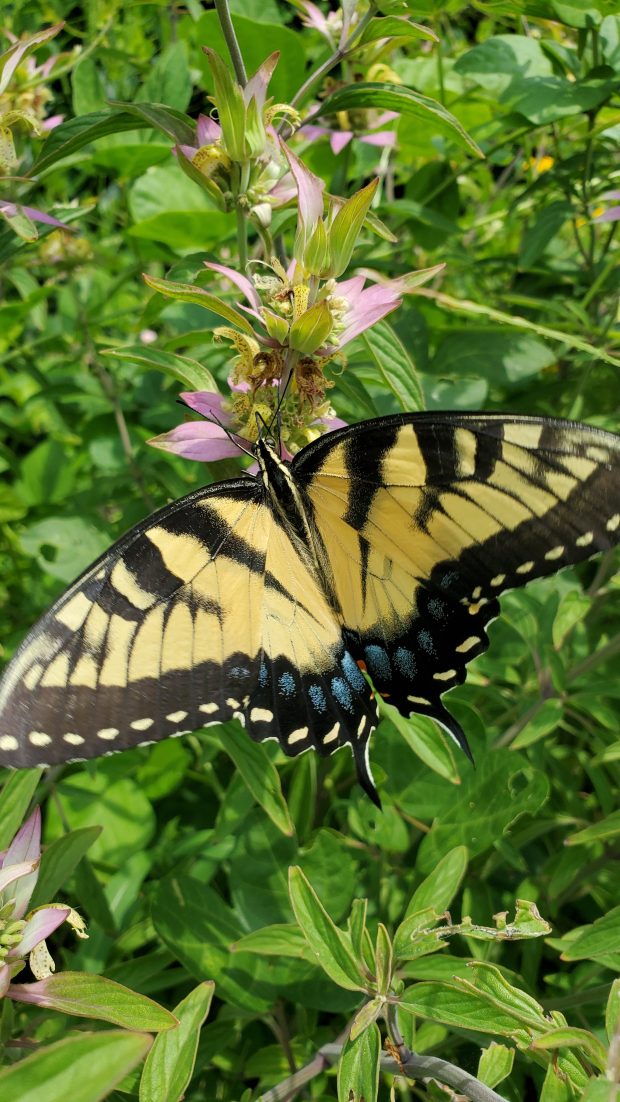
311 329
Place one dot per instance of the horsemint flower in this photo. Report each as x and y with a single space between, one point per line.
237 159
296 319
23 933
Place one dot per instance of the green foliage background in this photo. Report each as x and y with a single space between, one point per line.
193 855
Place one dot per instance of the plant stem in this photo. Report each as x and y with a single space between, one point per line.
334 59
223 14
242 238
415 1067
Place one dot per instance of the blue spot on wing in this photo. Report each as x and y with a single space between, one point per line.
240 671
378 661
405 662
436 608
425 639
318 698
263 676
352 672
342 692
286 681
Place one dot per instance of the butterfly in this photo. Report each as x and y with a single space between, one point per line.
370 564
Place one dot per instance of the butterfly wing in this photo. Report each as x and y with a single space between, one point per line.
428 518
205 612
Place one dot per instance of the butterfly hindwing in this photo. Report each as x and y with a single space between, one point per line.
206 612
428 518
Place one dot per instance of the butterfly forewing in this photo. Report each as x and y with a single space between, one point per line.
427 519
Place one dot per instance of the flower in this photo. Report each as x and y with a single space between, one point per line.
236 425
237 159
371 132
21 219
23 934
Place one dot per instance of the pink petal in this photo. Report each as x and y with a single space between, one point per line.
386 116
26 846
611 195
207 403
350 289
339 139
188 151
382 138
611 215
207 130
11 209
5 979
256 86
333 423
240 281
199 440
283 191
313 132
373 304
52 121
10 873
314 17
309 190
41 925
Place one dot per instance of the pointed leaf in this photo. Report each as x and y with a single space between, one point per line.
331 947
170 1063
395 97
59 861
183 368
186 292
15 797
89 996
495 1064
345 229
395 365
358 1070
259 775
83 1068
442 884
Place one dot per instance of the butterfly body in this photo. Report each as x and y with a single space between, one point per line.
382 547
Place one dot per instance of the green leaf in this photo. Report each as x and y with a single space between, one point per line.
311 329
358 1069
544 100
476 308
426 740
612 1010
495 1064
74 134
279 940
544 720
169 209
395 97
259 774
394 26
17 792
83 1068
87 996
569 1037
547 224
490 984
199 928
255 42
597 940
606 828
174 124
442 884
418 935
502 788
186 292
383 960
115 805
330 946
230 106
63 546
184 369
170 1063
59 861
346 227
366 1016
443 1002
395 365
18 51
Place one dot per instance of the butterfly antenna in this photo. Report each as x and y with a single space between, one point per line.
231 435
